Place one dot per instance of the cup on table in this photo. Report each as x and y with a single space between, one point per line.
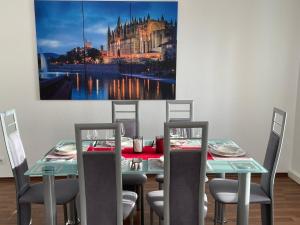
137 144
159 143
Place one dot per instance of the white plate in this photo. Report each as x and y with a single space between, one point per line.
228 151
178 142
126 142
161 159
66 148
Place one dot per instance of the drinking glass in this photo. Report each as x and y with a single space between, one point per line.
122 130
92 135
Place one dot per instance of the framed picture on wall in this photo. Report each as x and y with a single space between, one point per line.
102 50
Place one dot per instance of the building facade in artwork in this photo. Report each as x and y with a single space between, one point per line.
142 39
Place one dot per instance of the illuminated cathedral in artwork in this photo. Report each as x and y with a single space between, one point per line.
100 50
142 38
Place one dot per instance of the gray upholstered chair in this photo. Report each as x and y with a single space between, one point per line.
183 200
100 179
27 193
177 110
225 191
127 113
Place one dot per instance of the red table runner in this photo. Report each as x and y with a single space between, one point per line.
148 152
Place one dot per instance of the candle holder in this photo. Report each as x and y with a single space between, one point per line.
138 144
136 164
159 143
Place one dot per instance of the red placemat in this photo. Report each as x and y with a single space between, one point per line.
148 152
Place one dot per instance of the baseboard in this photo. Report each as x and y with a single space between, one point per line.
295 176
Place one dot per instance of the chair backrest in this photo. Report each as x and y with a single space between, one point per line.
273 150
184 183
100 180
127 112
179 110
15 150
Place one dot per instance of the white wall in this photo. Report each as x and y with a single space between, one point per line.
294 171
236 58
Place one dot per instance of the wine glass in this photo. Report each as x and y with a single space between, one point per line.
92 135
176 133
183 133
122 129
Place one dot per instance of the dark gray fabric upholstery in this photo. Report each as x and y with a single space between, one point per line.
134 179
100 187
23 214
156 202
270 163
65 191
129 199
184 187
129 126
226 191
22 181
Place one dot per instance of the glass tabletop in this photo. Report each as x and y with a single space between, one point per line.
151 166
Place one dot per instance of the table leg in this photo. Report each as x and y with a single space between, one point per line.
49 199
71 209
243 198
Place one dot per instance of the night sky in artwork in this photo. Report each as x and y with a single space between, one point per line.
59 24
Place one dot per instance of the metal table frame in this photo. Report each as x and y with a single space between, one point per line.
150 166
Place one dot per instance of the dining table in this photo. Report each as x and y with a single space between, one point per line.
51 166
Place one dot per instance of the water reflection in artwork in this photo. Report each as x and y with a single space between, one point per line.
121 88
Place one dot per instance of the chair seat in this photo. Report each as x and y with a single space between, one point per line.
154 196
155 200
158 208
65 191
226 191
128 207
130 195
134 179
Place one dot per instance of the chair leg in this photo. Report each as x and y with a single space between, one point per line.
219 213
222 213
142 204
65 214
160 221
159 185
216 217
267 214
151 216
137 189
132 218
23 214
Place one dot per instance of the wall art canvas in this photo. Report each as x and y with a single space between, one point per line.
105 50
